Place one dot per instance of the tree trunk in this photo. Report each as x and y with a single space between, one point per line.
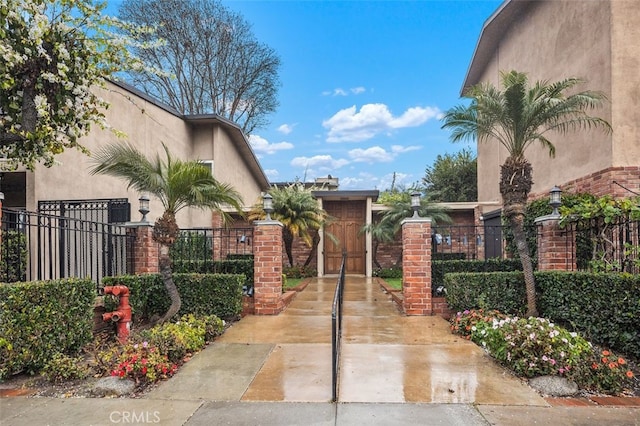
515 184
376 243
314 248
287 238
172 289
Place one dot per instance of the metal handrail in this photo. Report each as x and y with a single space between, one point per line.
336 326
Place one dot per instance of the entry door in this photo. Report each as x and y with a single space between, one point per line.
349 216
493 238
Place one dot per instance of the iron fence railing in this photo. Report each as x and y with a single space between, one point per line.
467 242
203 244
37 246
336 329
602 246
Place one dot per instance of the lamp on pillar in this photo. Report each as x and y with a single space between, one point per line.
555 200
415 203
267 205
144 207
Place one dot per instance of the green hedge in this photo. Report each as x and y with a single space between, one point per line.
603 307
448 256
13 261
42 318
503 291
201 294
441 267
240 265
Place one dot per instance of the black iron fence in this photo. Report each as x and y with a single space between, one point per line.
336 329
38 246
468 242
207 244
602 246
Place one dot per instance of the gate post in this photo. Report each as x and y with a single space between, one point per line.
145 253
267 267
556 248
416 266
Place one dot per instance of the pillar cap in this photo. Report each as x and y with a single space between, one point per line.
268 222
547 218
416 220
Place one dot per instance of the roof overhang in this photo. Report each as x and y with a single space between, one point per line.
490 36
347 195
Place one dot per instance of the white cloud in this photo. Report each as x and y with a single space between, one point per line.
349 125
374 154
341 92
399 149
286 128
377 154
320 162
401 179
272 173
261 145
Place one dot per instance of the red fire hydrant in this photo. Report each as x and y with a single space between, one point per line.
122 315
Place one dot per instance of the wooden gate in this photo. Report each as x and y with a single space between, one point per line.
349 216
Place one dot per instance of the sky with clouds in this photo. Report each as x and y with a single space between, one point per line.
364 85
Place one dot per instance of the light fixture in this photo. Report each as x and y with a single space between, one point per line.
267 205
144 207
415 203
555 200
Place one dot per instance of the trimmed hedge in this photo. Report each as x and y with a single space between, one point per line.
441 267
503 291
243 264
605 308
448 256
201 294
41 319
13 262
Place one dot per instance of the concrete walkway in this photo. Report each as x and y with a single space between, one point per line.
395 370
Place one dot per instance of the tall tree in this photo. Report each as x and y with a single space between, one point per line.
177 184
452 177
517 117
211 62
299 212
54 55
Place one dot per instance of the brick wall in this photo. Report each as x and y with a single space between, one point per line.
416 267
267 268
602 183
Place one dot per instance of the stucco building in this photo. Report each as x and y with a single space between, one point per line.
596 40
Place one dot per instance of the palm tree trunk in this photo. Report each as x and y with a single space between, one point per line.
287 238
314 248
515 184
169 284
376 243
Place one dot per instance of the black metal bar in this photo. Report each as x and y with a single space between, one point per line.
336 327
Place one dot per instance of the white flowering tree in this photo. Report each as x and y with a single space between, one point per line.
53 55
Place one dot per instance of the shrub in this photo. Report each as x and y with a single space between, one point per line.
208 294
388 273
299 271
532 347
448 256
464 323
13 259
603 307
141 362
503 291
61 368
41 319
441 267
604 372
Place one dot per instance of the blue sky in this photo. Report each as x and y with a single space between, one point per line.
363 85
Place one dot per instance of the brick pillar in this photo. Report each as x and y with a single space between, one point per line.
416 266
556 248
145 249
267 267
217 225
1 202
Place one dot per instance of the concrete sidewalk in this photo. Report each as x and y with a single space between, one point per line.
276 370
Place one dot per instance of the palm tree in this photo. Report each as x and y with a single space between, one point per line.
386 229
300 214
517 117
177 184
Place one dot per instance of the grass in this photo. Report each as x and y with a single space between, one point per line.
291 283
395 283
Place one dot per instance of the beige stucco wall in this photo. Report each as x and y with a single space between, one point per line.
146 126
593 40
